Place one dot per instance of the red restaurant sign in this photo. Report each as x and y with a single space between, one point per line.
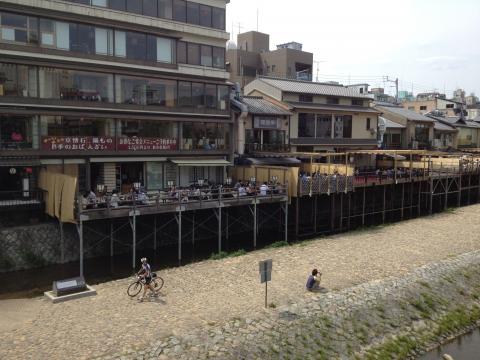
99 143
138 143
78 143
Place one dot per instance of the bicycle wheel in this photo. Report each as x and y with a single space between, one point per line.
134 289
158 283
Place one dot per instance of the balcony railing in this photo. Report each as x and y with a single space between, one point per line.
255 147
20 199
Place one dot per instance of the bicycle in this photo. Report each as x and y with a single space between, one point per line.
136 287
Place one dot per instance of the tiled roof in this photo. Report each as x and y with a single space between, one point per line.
408 114
328 107
443 127
314 88
258 105
392 124
456 121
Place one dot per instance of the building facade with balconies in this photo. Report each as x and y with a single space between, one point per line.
325 117
114 92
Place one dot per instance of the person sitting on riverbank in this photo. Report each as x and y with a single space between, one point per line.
313 281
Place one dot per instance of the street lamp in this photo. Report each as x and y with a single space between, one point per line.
200 182
136 185
100 188
170 183
253 180
274 179
229 181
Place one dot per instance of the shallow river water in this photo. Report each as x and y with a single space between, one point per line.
466 347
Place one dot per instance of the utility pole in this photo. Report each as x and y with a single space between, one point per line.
387 79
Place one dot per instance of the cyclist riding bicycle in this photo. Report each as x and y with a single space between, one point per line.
146 273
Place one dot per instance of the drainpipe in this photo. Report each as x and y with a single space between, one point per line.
236 100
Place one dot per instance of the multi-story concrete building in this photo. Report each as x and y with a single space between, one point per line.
425 105
115 92
252 56
324 116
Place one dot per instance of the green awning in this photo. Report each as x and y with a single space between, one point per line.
201 162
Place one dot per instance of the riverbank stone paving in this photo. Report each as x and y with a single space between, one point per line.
207 301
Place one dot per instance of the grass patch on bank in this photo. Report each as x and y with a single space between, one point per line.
277 244
397 348
457 320
224 254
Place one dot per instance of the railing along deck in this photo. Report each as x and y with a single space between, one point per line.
109 206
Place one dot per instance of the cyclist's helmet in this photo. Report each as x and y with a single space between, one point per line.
143 260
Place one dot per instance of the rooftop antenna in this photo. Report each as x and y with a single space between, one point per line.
317 63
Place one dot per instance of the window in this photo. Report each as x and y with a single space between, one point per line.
198 90
150 7
411 108
357 102
148 129
193 13
193 54
74 126
423 108
306 125
333 101
181 52
218 18
204 136
205 16
136 45
180 10
155 176
223 97
134 6
210 96
18 80
165 9
165 50
184 93
368 123
450 106
47 32
103 41
324 126
117 5
206 56
305 98
101 3
361 90
161 92
219 57
17 132
347 126
15 27
82 38
75 85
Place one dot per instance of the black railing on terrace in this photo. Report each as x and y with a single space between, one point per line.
321 184
207 196
31 198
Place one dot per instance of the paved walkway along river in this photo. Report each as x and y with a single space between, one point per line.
212 292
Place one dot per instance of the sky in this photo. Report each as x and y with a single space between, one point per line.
427 44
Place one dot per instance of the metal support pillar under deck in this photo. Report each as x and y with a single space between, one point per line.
62 243
469 185
419 198
315 199
178 218
332 213
286 221
297 217
219 219
255 225
133 224
341 211
411 198
446 192
384 203
349 209
430 205
363 207
403 201
80 238
459 196
154 233
111 238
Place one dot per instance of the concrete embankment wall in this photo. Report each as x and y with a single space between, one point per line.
396 318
